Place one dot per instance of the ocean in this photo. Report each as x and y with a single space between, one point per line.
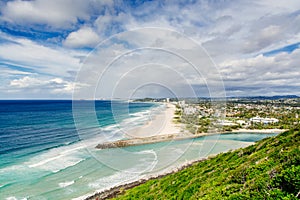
44 154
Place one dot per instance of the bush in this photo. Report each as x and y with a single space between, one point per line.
269 169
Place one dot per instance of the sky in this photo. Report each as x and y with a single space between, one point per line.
61 49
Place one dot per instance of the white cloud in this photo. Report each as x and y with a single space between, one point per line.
55 13
271 75
84 37
244 29
33 84
25 82
11 72
167 59
235 34
40 58
23 60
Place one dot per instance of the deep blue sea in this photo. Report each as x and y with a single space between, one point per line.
47 151
29 127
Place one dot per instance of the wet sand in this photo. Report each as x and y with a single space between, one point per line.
160 124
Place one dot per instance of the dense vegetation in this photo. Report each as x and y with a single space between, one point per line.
270 169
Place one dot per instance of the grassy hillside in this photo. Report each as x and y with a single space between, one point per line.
270 169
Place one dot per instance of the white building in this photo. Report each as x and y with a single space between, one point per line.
264 120
226 123
181 103
241 122
189 110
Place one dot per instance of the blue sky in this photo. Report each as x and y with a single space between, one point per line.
289 49
44 44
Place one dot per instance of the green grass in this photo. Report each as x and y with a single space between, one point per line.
267 170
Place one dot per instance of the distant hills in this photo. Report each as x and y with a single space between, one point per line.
268 97
193 99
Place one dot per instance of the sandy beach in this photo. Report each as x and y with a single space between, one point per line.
161 124
162 128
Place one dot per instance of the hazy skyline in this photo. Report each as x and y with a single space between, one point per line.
254 45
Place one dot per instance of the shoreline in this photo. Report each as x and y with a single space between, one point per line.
138 136
119 189
162 128
160 124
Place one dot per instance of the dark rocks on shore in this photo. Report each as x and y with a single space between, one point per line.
116 144
136 141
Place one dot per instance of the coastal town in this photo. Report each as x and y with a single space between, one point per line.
192 118
240 114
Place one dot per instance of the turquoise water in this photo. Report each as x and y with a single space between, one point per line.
43 157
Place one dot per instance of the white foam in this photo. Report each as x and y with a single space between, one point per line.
116 131
142 115
14 198
58 164
66 184
113 180
110 127
45 161
147 164
58 158
11 198
13 168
